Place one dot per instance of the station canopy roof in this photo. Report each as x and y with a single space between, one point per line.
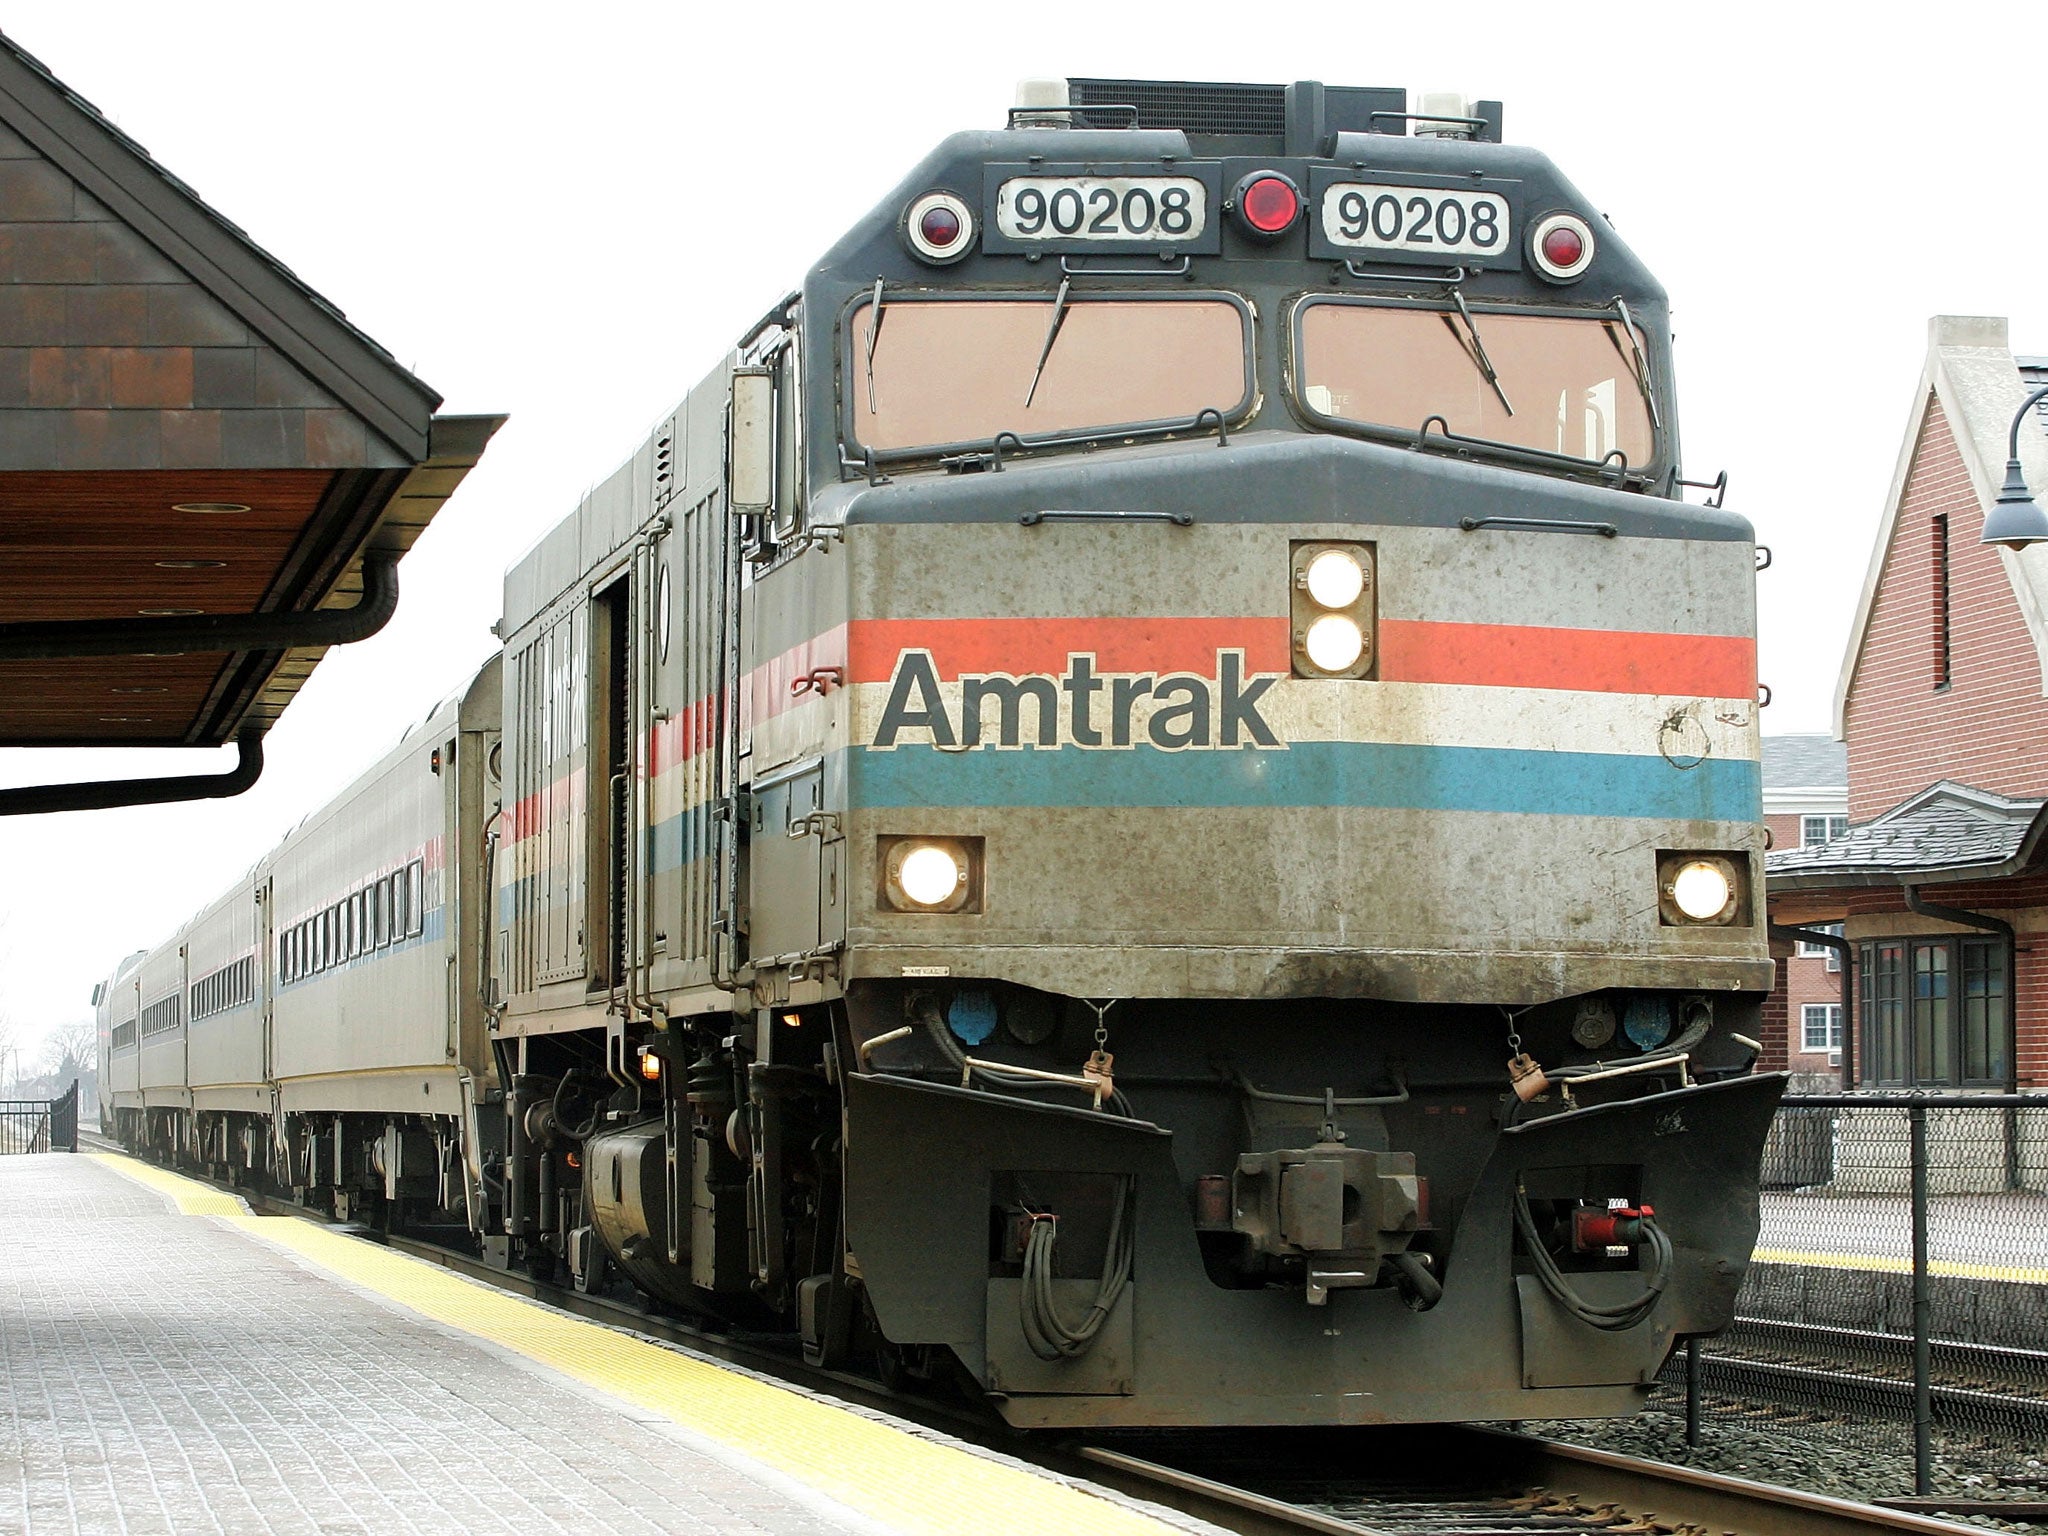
186 430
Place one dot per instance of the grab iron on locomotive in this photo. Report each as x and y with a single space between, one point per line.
1148 798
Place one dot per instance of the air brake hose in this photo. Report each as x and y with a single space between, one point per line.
1423 1287
1614 1319
1051 1336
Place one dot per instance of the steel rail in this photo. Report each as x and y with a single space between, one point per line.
1601 1487
1960 1355
1851 1394
1714 1499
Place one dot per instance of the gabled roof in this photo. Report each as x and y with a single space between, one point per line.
198 453
1972 372
76 137
1947 832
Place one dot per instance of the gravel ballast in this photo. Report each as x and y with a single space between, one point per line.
1862 1461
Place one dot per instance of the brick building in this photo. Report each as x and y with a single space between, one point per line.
1940 879
1806 802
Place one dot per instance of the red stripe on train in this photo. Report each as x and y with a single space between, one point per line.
1020 646
1411 651
1583 660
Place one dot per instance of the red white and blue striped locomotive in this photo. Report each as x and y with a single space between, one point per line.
1149 794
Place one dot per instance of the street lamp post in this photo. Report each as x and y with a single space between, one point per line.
2016 519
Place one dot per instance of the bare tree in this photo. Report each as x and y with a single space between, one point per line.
71 1049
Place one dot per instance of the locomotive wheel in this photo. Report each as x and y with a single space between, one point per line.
891 1366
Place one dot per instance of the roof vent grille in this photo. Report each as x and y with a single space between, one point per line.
1192 106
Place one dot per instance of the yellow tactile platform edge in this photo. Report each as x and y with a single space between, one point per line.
1890 1265
898 1479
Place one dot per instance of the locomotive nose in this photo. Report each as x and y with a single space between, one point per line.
1277 678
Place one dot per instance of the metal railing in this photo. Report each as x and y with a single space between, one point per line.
40 1125
1899 1288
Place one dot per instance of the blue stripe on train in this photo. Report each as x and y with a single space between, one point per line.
1376 775
1368 775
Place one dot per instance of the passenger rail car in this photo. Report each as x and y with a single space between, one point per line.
1147 798
325 1016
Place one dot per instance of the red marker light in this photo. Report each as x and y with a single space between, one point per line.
940 227
1268 203
1562 246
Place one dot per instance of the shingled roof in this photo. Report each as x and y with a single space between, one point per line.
1947 832
1807 760
191 438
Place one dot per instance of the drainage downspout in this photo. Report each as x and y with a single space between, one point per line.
189 634
1840 946
107 794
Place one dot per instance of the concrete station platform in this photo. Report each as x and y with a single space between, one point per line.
2000 1237
1846 1261
170 1362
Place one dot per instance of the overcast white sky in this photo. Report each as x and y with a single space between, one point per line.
566 213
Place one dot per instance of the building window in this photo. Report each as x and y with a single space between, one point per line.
1814 830
1941 648
1820 1027
1806 951
1935 1012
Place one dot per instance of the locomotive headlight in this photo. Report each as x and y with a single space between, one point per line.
1335 578
1699 888
1332 609
1334 643
931 874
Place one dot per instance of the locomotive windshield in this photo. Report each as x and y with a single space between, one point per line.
1558 384
944 372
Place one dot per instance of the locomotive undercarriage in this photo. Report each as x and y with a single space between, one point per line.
1280 1212
394 1172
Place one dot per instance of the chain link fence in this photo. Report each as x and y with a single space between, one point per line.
1899 1290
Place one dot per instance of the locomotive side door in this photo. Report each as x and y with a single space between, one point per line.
787 825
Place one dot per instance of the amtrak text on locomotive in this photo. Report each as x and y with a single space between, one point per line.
1081 708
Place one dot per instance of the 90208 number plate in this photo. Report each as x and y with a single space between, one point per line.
1114 210
1417 221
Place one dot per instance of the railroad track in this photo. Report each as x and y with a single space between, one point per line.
1847 1373
1465 1481
1985 1365
1437 1480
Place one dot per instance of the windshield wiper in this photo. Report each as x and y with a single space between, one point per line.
1476 349
1639 365
1052 333
874 335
